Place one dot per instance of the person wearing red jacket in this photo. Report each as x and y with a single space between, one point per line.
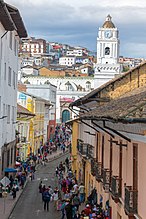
87 210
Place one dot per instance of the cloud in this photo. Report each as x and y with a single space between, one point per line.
77 22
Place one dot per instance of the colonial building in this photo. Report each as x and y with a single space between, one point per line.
109 144
38 130
67 87
24 117
11 30
108 45
48 92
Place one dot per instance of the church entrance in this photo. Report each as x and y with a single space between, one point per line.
65 116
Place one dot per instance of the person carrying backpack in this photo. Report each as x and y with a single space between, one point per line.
46 199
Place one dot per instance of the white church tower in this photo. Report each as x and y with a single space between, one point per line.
108 44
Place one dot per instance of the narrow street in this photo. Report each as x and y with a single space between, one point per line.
30 204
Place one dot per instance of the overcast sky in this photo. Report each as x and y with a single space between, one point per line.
76 22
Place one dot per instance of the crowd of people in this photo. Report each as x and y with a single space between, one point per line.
17 179
69 196
60 141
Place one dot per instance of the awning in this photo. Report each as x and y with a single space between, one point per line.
10 170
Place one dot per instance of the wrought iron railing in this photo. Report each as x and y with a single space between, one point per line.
106 179
116 187
98 171
130 200
85 149
93 166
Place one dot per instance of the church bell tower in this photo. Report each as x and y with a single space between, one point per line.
108 43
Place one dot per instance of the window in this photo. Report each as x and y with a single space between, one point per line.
8 114
14 82
9 77
135 166
88 85
120 165
5 71
11 155
97 146
10 39
15 47
8 156
4 110
68 86
13 113
102 152
107 51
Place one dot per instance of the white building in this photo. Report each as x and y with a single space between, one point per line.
68 89
11 30
77 51
108 45
67 60
29 70
33 46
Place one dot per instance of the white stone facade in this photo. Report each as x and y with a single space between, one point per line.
67 87
108 45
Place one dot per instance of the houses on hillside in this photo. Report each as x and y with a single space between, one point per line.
109 143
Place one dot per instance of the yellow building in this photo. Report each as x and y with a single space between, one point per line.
38 126
24 117
111 144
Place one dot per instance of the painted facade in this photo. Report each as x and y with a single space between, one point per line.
47 92
38 129
111 144
9 19
23 129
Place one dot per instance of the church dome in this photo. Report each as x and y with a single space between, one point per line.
108 23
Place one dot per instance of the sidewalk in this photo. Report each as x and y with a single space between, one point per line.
7 204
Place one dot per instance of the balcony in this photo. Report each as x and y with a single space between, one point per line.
23 139
85 149
130 201
116 188
98 171
106 179
93 167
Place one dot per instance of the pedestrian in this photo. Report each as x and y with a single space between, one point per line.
87 210
77 215
46 199
76 202
50 190
63 204
40 187
82 193
14 191
55 197
68 209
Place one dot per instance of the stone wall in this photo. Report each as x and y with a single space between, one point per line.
129 81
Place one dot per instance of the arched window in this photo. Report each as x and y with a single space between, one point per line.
107 51
65 116
68 86
88 85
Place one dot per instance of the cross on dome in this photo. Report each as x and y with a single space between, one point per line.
108 18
